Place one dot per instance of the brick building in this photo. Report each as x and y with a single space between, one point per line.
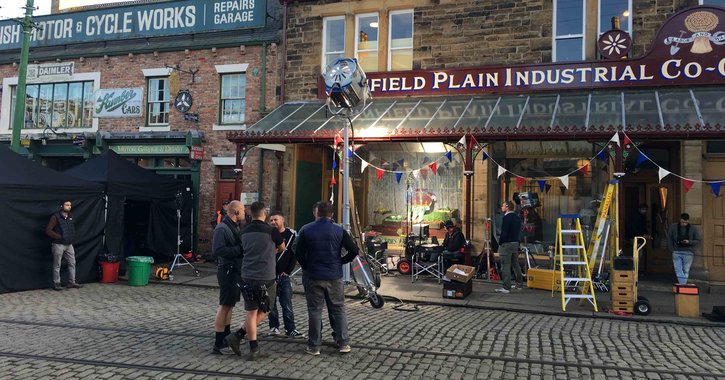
144 53
437 72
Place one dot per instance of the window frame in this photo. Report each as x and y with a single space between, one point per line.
149 102
702 2
629 20
358 16
78 123
325 53
555 38
390 34
220 118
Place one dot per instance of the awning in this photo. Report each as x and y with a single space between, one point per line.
673 111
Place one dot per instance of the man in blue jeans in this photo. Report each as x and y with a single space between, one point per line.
508 249
318 249
285 265
682 240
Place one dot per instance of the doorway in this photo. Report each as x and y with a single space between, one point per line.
713 246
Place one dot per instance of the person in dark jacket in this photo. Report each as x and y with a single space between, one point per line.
682 240
318 249
61 229
285 265
453 244
219 214
227 248
508 250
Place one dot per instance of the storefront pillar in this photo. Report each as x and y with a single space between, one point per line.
239 173
468 173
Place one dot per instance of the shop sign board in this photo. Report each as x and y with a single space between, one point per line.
149 150
50 71
196 152
689 50
168 18
118 102
249 198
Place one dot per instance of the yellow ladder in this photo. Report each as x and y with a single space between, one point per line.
599 236
573 264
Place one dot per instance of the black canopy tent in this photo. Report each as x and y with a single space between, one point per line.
29 194
127 184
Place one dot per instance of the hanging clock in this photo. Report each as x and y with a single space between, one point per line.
183 101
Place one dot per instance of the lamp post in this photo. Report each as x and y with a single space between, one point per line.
19 118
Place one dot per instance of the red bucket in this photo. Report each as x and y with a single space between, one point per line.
109 271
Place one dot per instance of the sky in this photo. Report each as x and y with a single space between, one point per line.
15 8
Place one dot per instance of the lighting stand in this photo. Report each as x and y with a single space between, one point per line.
178 257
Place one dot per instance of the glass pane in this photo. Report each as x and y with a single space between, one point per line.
32 105
45 98
421 115
641 108
449 113
60 99
605 109
401 30
612 8
507 114
335 35
368 117
368 61
396 114
711 102
367 32
75 104
539 111
569 49
233 111
569 17
572 111
318 118
677 107
269 121
401 59
298 117
87 105
477 113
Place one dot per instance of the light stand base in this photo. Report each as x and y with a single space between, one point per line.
180 261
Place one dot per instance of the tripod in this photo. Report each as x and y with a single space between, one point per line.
178 257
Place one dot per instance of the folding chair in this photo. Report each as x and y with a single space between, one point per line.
434 268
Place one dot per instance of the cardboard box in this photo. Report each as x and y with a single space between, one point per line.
456 289
460 273
687 305
537 278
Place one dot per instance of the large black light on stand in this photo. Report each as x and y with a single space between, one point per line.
347 95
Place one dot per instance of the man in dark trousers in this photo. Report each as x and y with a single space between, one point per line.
285 265
62 230
260 243
318 249
227 248
509 247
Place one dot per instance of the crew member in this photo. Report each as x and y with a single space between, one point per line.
318 249
509 247
61 228
453 244
682 240
219 214
285 265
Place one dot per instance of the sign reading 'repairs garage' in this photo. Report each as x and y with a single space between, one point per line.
138 21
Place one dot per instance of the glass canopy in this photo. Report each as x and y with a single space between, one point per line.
534 113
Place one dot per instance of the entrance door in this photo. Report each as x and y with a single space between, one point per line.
224 191
659 258
714 225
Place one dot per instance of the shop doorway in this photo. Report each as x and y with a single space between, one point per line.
713 246
135 228
308 189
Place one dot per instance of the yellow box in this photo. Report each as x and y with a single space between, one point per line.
622 277
623 296
541 278
687 305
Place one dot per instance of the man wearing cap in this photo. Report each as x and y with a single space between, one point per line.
453 243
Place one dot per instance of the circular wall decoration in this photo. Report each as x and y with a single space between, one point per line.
183 101
614 44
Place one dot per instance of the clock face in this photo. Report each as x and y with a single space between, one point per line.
183 101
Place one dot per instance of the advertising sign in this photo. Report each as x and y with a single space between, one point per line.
118 102
167 18
196 153
50 71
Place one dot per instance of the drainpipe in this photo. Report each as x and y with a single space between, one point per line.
280 178
238 171
468 172
260 174
283 71
263 85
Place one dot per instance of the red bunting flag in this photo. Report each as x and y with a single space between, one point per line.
338 140
585 169
627 141
434 167
687 184
520 182
380 173
333 182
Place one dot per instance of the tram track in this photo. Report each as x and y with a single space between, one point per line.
365 346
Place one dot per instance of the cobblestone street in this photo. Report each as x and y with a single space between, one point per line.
161 331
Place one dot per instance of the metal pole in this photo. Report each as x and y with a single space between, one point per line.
346 191
19 119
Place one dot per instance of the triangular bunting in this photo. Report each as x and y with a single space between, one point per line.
662 173
585 169
334 163
520 182
627 141
363 164
349 152
715 186
501 171
398 176
602 156
462 141
548 187
333 182
416 173
379 173
687 184
640 159
434 167
449 156
484 156
542 184
564 180
615 138
338 140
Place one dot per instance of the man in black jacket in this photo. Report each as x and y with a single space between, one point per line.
62 230
285 265
508 250
227 247
318 249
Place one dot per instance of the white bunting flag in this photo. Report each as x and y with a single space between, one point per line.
416 173
615 139
501 171
663 173
462 141
363 164
564 180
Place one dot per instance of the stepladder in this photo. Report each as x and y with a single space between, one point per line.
571 263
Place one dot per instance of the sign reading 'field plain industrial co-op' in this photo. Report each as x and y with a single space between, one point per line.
138 21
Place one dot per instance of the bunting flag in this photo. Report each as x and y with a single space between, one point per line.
627 141
542 185
462 141
363 164
485 156
615 139
426 160
434 167
401 163
662 173
715 188
687 184
338 140
602 156
548 187
585 169
380 173
416 173
449 156
640 159
395 165
334 163
398 176
501 171
564 180
520 181
349 152
333 182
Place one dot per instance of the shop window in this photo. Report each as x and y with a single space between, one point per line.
158 104
715 147
57 105
615 8
366 42
713 2
232 101
569 26
400 44
333 39
227 173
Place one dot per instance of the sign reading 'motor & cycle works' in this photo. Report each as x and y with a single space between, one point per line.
138 21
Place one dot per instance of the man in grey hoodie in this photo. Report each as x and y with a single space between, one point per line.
682 239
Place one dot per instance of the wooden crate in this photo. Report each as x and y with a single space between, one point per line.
622 296
623 277
622 288
625 306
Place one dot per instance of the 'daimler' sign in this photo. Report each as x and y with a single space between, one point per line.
138 21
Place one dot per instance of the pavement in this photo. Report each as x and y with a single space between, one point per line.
427 290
